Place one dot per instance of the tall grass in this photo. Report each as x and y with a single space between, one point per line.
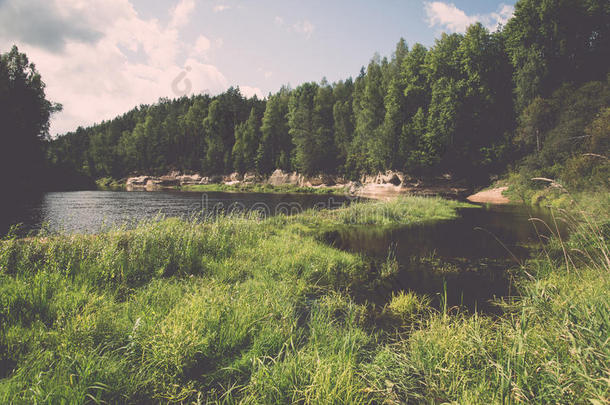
238 310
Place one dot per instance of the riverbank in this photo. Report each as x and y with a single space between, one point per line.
264 188
490 196
385 185
241 310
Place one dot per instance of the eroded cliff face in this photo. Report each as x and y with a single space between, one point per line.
382 185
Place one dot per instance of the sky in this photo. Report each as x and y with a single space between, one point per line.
100 58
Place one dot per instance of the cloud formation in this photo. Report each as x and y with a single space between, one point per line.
182 13
251 91
304 27
221 7
448 17
99 58
44 25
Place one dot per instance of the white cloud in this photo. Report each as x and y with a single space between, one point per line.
134 61
304 27
504 13
266 73
202 46
450 18
182 13
251 91
221 7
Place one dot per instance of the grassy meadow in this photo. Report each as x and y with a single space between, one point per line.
241 310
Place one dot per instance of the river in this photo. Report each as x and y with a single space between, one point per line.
92 211
462 261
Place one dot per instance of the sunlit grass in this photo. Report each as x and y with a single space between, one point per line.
260 311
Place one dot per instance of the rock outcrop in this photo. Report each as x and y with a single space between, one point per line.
381 185
169 181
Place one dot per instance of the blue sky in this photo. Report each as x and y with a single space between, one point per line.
100 58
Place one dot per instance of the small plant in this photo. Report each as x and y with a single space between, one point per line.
407 305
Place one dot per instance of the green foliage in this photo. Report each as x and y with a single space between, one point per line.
247 138
447 109
565 138
241 310
174 311
551 42
108 183
310 118
25 117
275 147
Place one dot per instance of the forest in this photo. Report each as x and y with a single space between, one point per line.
471 105
243 309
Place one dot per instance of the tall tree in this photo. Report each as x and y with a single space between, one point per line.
343 119
276 146
417 93
555 41
247 138
301 127
323 124
369 114
24 117
214 127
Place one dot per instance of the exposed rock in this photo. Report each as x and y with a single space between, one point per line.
169 181
280 178
213 179
251 177
186 180
382 185
233 177
353 187
389 177
136 183
322 180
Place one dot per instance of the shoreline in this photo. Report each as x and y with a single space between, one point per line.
382 186
490 196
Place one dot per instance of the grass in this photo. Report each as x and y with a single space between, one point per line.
238 310
108 183
264 188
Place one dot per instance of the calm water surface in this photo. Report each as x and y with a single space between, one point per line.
466 259
91 211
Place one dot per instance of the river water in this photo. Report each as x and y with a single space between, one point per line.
92 211
462 261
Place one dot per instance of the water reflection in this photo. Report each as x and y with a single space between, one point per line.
467 257
92 211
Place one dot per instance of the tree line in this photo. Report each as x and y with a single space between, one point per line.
460 106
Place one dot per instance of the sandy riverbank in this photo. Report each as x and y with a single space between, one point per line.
491 196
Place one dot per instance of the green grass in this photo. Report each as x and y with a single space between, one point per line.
108 183
264 188
244 311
